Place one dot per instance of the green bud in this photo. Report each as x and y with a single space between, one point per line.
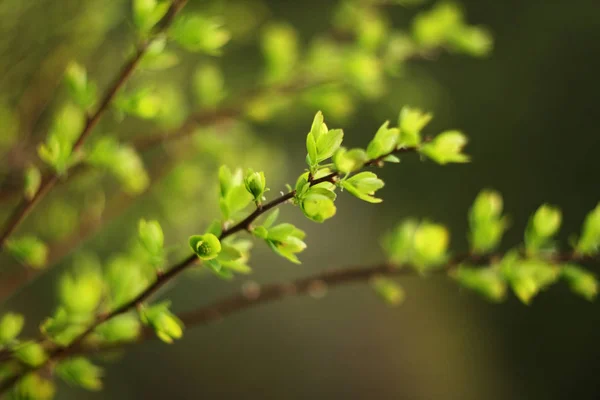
31 353
255 184
33 179
363 185
446 148
487 225
81 291
123 328
411 122
166 325
348 161
589 242
384 142
542 226
488 282
206 247
200 33
11 325
81 91
28 250
80 372
528 277
580 281
286 240
430 245
388 290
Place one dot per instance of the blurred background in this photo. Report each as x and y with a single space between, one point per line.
528 109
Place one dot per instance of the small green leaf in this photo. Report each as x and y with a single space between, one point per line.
318 204
157 58
542 226
166 325
33 387
123 328
488 282
152 239
384 142
430 245
81 291
200 33
528 277
31 353
446 148
580 281
279 44
79 371
589 242
206 247
81 91
33 180
348 161
487 225
28 250
147 13
391 292
398 244
286 240
411 122
363 185
11 325
143 103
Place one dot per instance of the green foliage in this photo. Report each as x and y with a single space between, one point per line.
79 371
123 328
423 245
147 13
81 291
486 222
446 148
488 282
279 44
57 151
321 142
580 281
33 180
157 58
82 92
284 239
542 226
233 194
165 324
29 250
152 240
528 277
411 122
122 161
11 325
143 103
30 353
200 33
388 290
207 247
33 387
589 242
363 185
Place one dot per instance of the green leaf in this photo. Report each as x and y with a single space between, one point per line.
152 239
255 184
33 180
147 13
166 325
122 161
473 40
528 277
542 226
81 291
82 92
411 122
31 353
29 250
206 247
430 245
488 282
126 277
384 142
286 240
157 58
33 387
123 328
200 33
363 185
487 225
580 281
391 292
318 204
11 325
321 143
398 244
209 86
79 371
446 148
143 103
62 328
279 43
348 161
589 242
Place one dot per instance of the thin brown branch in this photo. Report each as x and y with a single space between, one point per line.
26 205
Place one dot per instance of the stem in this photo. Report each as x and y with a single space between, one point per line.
25 207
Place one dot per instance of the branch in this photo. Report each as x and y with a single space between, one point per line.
173 272
26 205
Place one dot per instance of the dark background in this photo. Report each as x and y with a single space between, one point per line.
530 111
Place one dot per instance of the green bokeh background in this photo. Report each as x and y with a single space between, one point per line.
530 112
